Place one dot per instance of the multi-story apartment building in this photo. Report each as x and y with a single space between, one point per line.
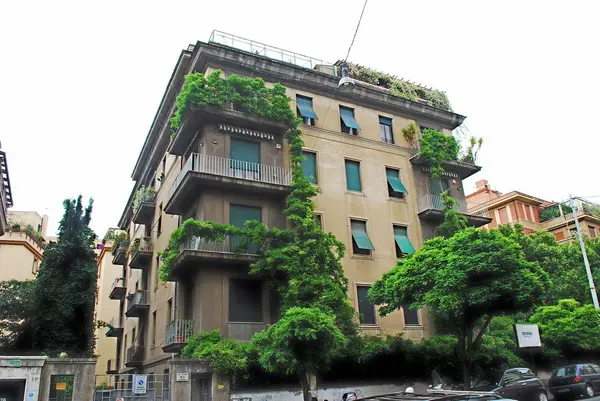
228 166
532 213
22 245
5 192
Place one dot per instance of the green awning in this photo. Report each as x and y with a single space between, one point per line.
305 107
394 181
401 236
359 233
347 116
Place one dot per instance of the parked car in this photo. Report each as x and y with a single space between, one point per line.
517 383
568 382
435 395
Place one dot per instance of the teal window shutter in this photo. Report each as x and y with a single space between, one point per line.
360 236
353 175
309 166
305 107
385 120
244 155
239 214
393 178
347 116
401 237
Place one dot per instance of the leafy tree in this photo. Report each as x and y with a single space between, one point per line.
436 148
570 328
16 310
468 279
66 286
454 221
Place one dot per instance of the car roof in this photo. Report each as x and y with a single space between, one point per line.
401 396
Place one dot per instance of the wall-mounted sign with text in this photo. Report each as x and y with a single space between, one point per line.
528 336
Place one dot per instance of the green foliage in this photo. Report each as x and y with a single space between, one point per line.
226 356
302 341
410 132
553 212
591 209
399 87
568 327
144 244
16 311
466 279
65 288
436 148
243 94
470 156
144 194
121 239
454 221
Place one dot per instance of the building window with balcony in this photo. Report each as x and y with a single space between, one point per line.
245 159
403 244
438 185
240 214
304 109
361 243
347 121
245 301
159 222
366 309
169 310
396 188
411 316
156 274
385 129
353 175
309 166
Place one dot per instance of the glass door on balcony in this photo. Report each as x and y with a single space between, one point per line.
436 187
238 215
245 159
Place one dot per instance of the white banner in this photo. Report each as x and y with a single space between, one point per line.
528 336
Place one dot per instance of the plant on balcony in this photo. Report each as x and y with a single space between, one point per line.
139 244
120 240
249 95
470 155
36 236
16 226
400 88
435 147
144 194
553 212
410 132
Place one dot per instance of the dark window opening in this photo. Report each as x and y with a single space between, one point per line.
366 309
245 300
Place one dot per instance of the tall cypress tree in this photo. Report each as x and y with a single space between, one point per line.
65 288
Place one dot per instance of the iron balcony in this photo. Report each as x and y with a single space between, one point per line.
138 304
118 289
114 331
176 335
431 208
135 356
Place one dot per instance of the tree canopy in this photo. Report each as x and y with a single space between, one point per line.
16 309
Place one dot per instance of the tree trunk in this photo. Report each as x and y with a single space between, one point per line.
464 362
305 383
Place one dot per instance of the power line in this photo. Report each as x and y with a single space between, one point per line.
356 31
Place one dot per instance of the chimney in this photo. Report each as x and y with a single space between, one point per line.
481 184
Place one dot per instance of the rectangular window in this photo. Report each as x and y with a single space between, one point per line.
396 188
592 232
385 129
154 328
347 121
438 185
366 309
239 214
319 220
361 243
156 274
403 244
411 316
159 222
169 311
559 235
503 213
133 336
309 166
245 300
245 159
353 175
304 109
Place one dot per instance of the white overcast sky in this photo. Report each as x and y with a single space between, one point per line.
80 82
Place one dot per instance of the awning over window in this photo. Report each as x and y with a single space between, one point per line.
347 116
305 107
394 181
359 233
401 236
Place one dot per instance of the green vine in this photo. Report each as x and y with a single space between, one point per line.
144 194
436 148
399 87
144 243
243 94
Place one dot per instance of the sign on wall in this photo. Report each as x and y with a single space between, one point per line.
61 386
183 377
528 336
32 396
139 384
15 363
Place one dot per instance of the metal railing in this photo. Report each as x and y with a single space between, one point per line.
141 297
227 246
135 354
109 365
111 323
435 202
119 282
233 168
263 49
178 331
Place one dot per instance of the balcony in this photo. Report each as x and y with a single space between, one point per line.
200 115
177 334
120 253
462 169
111 367
431 208
141 253
244 331
145 212
138 304
198 250
118 289
135 356
204 171
114 331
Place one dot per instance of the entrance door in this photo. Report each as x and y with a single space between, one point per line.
245 159
12 390
201 390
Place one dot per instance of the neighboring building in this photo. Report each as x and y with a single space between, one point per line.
6 200
376 197
22 245
111 287
532 213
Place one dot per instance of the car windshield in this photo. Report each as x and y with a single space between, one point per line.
510 377
566 371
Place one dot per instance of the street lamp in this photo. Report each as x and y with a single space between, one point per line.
346 83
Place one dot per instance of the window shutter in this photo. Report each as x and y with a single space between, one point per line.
353 175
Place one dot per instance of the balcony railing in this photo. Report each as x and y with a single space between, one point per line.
118 289
111 367
138 303
135 356
113 329
228 245
177 334
435 202
224 167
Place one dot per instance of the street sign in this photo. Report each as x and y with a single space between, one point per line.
32 396
61 386
15 363
139 384
528 336
183 377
